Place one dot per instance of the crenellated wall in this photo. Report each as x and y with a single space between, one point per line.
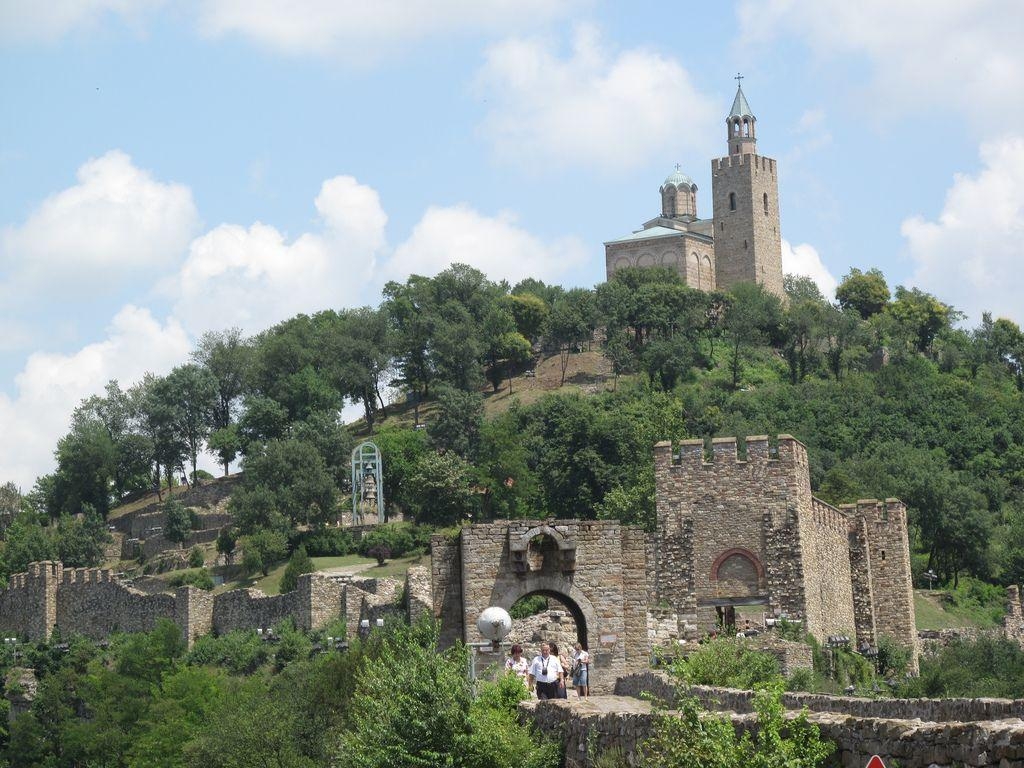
94 603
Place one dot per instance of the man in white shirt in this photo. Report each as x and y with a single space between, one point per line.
545 672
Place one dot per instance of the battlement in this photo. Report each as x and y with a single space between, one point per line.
827 516
721 452
878 511
759 162
87 576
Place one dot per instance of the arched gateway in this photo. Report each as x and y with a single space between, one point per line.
598 570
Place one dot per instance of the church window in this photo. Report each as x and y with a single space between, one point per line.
732 201
744 245
765 203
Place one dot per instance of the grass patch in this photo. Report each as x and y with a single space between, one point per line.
936 610
271 583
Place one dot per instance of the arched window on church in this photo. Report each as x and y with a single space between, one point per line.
746 127
732 201
765 196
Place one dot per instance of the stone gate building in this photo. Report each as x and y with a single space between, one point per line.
737 528
596 569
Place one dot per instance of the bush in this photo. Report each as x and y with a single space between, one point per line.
727 662
400 538
380 552
241 653
201 579
262 549
298 564
196 558
326 542
528 606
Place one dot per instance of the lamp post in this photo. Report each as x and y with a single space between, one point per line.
931 576
494 623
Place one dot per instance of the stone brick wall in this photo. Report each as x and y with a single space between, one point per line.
590 726
94 603
28 607
595 569
210 494
664 689
884 526
828 586
446 587
418 593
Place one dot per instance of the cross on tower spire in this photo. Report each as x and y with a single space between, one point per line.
738 78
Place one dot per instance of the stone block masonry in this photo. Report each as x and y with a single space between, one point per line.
738 526
94 603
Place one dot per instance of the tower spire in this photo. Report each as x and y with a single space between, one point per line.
740 123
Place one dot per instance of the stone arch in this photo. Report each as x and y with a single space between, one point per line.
709 273
645 259
588 623
737 572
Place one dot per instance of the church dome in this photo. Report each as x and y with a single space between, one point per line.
678 179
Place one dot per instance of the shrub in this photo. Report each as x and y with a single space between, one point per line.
196 558
728 662
326 542
241 653
379 551
400 538
298 564
528 606
201 579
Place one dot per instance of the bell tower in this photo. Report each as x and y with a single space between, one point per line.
745 197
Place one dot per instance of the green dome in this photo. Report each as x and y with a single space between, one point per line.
678 179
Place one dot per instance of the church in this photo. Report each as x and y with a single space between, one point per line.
739 243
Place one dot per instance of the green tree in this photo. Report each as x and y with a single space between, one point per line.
444 489
570 324
262 549
529 312
299 563
193 395
293 477
866 293
177 522
920 317
456 426
226 443
227 356
81 541
753 317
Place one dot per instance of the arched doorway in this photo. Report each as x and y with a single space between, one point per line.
547 616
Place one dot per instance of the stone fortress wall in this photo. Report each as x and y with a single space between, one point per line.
737 525
94 603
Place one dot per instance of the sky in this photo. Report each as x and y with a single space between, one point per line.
168 168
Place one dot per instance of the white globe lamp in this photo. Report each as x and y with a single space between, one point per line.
494 624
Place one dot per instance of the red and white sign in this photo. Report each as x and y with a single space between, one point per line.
875 762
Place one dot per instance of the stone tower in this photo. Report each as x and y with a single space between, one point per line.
745 195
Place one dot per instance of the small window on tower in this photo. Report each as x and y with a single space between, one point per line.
744 245
732 201
765 203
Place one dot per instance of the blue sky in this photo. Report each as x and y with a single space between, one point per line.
168 168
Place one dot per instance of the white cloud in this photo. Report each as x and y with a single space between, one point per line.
117 218
950 53
970 256
357 30
495 245
35 20
594 107
253 277
50 386
805 260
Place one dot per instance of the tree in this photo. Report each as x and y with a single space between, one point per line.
444 490
863 292
26 542
153 406
81 541
299 563
456 427
754 316
291 478
192 393
920 317
262 549
177 521
529 312
86 464
226 443
358 351
227 538
227 356
843 332
570 324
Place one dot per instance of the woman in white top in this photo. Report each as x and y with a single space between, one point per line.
517 663
581 670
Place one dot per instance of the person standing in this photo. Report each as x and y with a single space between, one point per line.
517 664
563 661
545 672
581 670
